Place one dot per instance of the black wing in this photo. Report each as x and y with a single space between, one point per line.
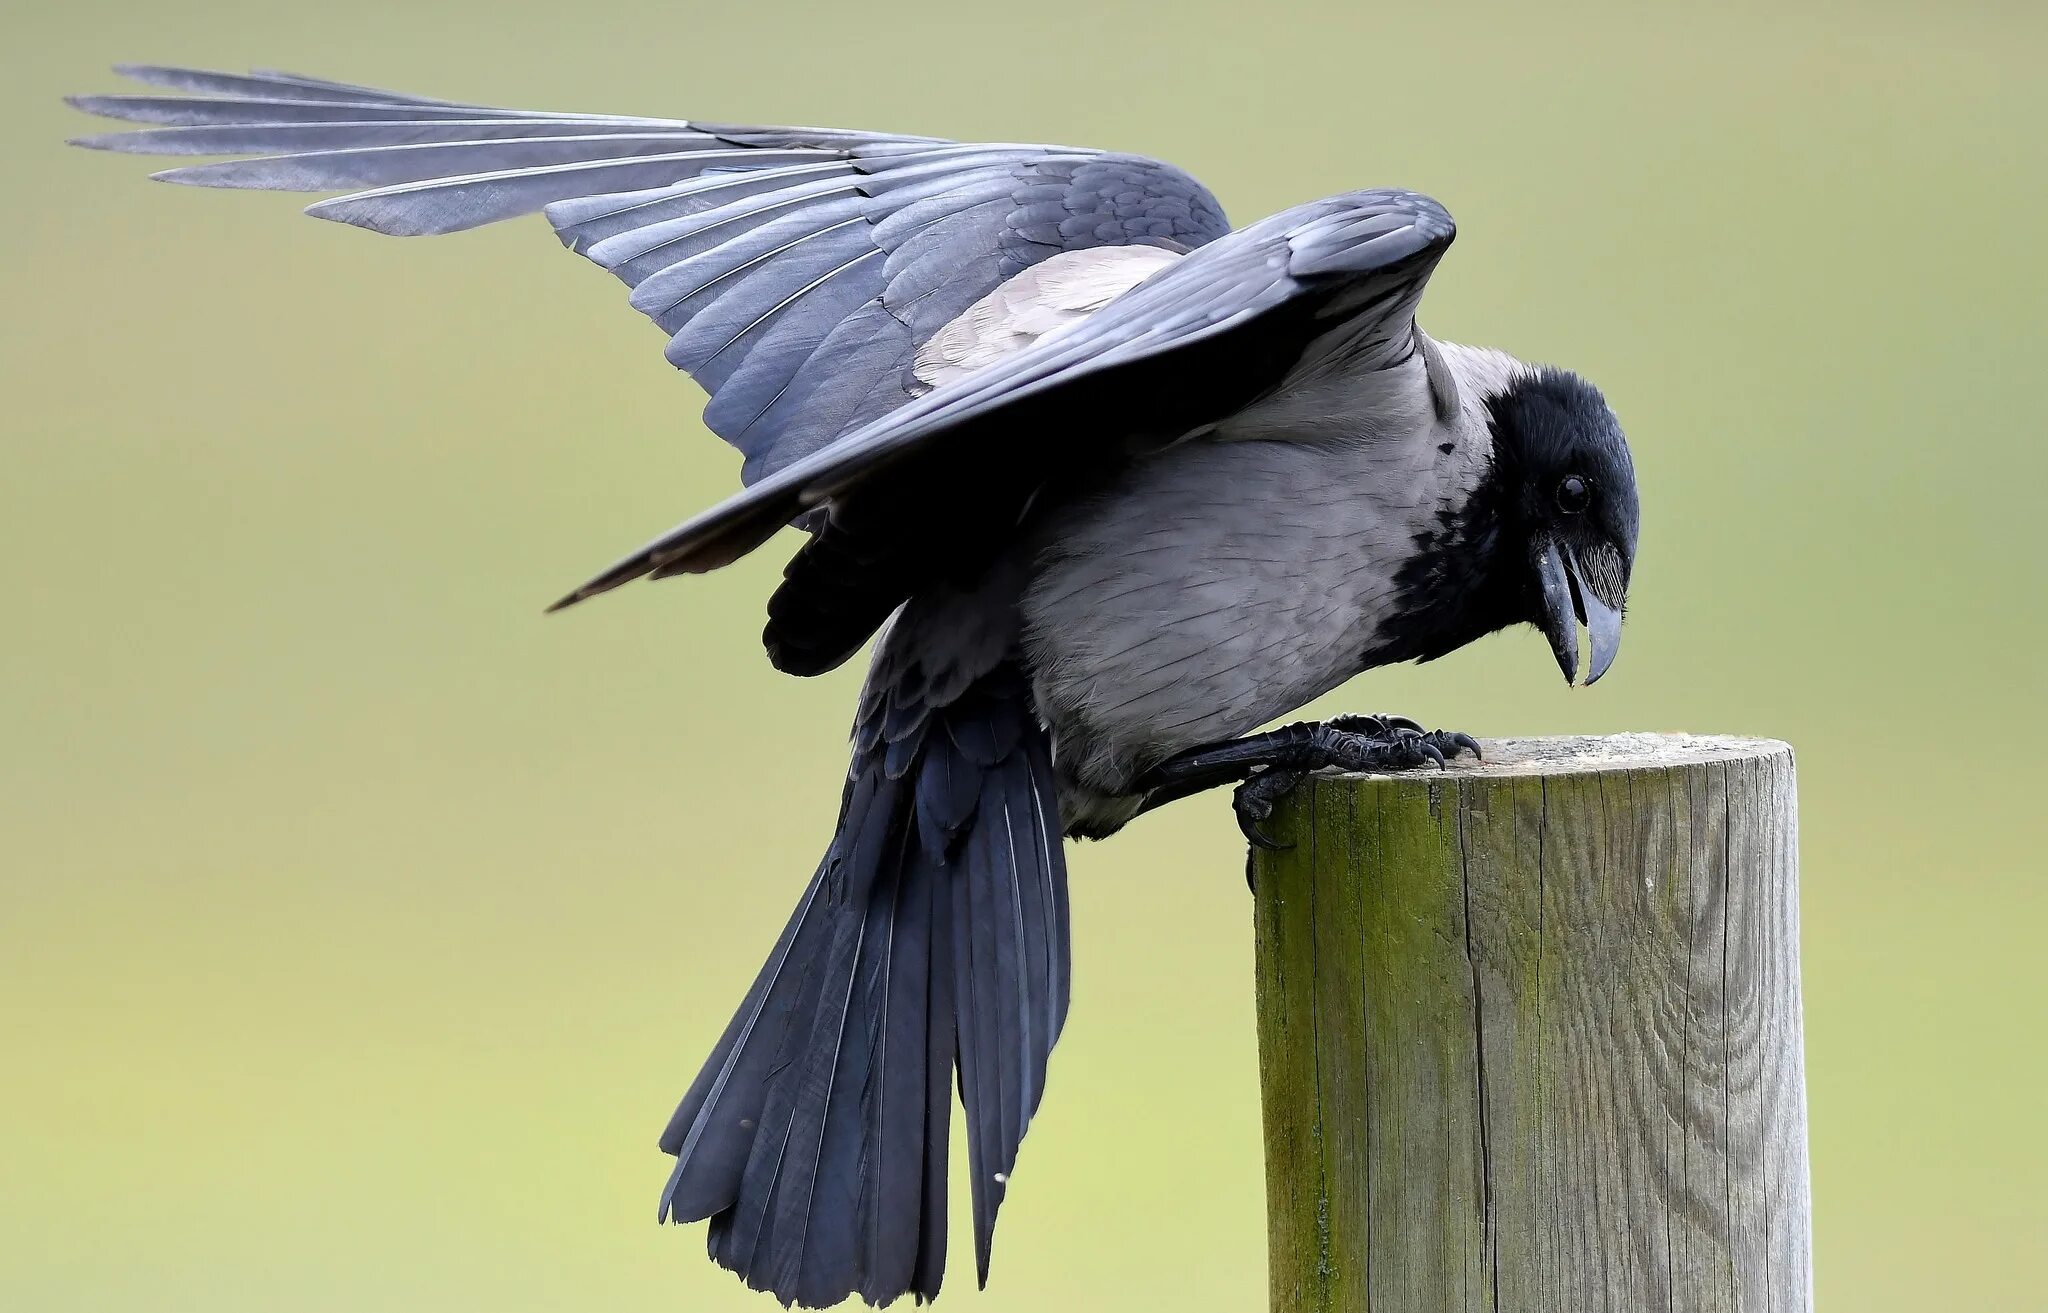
905 496
796 270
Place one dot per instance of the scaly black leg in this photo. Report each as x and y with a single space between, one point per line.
1266 766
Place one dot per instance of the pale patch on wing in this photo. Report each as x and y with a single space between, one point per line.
1040 303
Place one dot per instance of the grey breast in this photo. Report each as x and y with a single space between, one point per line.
1234 577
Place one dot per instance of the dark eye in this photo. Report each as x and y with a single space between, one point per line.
1573 494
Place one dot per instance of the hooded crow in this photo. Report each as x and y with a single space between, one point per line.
1108 483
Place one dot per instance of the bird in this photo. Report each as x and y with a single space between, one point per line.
1104 484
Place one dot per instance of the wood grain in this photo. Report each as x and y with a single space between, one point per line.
1530 1034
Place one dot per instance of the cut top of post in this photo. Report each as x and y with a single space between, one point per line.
1578 754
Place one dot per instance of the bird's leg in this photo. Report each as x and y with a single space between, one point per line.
1267 766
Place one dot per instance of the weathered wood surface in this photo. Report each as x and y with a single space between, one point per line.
1530 1034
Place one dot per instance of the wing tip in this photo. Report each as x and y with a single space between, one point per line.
616 577
331 210
370 211
89 102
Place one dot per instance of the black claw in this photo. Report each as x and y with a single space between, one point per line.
1466 743
1259 838
1432 752
1253 801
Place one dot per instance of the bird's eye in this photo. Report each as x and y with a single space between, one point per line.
1573 494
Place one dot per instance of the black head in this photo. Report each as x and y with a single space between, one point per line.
1565 491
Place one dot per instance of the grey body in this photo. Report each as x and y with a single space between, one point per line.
1236 576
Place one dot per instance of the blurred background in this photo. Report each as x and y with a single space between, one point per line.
359 927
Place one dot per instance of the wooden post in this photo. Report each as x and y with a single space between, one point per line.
1529 1034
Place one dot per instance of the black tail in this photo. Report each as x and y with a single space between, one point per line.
934 934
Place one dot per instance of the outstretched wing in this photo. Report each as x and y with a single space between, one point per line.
796 270
1189 346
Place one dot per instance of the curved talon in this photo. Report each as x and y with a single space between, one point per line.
1432 752
1466 743
1253 801
1258 838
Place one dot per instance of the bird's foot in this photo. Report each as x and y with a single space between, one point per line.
1371 743
1350 742
1264 767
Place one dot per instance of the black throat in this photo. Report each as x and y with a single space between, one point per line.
1463 581
1473 571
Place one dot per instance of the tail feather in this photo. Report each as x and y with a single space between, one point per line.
933 938
737 1232
849 1238
815 1190
1011 932
710 1133
980 1082
897 1117
941 1052
760 1234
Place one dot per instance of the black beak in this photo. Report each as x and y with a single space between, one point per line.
1567 602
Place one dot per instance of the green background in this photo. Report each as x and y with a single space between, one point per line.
359 926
